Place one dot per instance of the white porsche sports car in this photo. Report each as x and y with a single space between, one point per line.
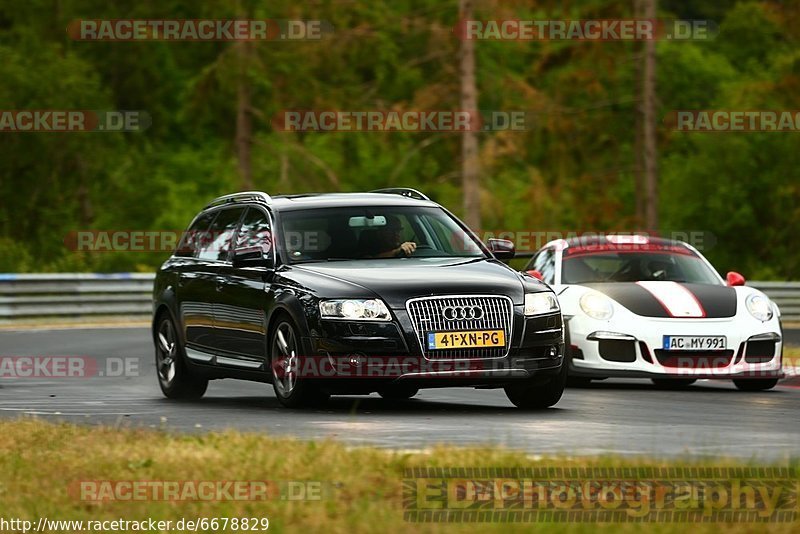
643 307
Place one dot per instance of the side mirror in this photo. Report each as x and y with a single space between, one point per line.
536 274
734 279
251 257
503 249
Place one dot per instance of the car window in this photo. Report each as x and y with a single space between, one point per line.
634 266
255 231
218 240
367 232
192 238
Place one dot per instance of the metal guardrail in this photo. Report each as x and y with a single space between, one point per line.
24 296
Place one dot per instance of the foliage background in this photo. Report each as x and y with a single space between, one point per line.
573 171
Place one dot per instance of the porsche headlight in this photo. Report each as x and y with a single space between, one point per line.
596 305
356 309
759 307
539 303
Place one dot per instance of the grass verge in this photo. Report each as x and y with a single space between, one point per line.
41 463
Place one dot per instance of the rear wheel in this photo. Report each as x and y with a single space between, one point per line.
759 384
536 394
292 390
174 378
673 383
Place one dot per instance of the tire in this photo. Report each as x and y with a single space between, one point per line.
673 383
174 378
291 390
536 394
398 393
759 384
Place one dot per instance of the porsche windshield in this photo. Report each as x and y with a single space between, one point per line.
330 234
580 267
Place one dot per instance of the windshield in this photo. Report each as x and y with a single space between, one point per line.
635 266
331 234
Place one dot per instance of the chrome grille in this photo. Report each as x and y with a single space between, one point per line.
427 316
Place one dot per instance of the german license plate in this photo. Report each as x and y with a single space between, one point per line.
695 343
466 339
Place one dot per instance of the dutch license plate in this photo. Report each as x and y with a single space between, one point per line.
694 343
466 339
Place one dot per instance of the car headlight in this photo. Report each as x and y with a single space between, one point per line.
596 305
759 307
539 303
356 309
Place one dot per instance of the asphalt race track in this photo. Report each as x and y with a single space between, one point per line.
624 417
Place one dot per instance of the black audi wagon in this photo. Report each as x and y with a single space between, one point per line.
351 293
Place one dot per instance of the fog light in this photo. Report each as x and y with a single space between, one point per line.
553 352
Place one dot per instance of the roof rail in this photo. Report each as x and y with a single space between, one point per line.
404 191
244 196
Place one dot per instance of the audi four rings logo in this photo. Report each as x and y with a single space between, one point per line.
461 313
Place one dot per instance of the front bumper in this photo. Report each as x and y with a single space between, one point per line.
607 349
361 356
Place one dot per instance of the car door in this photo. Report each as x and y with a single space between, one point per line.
242 297
198 285
195 288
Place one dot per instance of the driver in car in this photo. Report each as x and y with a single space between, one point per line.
386 242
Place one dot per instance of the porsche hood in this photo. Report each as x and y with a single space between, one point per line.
671 299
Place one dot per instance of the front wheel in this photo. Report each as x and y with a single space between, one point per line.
535 394
174 378
759 384
291 389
